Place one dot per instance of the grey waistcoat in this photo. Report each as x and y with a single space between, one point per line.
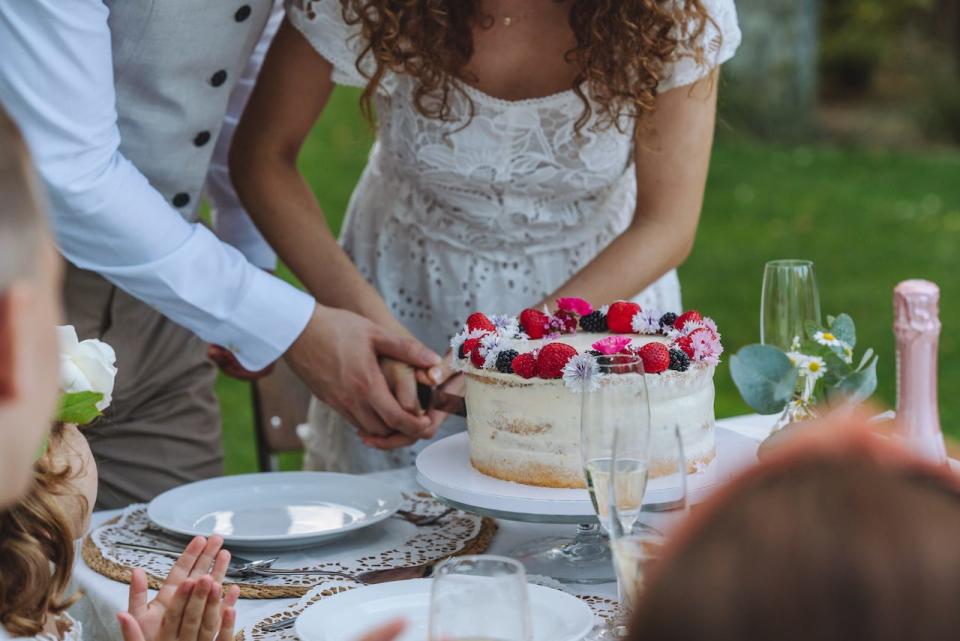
175 63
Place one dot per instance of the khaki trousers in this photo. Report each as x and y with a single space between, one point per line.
163 427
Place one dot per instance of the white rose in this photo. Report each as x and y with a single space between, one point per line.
88 366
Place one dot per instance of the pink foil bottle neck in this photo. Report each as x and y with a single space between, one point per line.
917 330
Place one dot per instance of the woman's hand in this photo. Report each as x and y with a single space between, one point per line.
178 607
402 380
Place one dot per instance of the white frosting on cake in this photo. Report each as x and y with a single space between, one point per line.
528 430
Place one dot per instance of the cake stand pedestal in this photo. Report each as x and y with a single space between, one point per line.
444 469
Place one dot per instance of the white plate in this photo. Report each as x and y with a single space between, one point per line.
275 510
444 469
555 615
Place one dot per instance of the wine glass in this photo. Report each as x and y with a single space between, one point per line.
668 469
790 299
479 598
615 439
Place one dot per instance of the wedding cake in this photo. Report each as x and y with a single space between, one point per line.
524 377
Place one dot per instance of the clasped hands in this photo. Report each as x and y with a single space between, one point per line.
367 374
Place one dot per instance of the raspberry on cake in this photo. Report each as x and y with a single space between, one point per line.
534 323
523 399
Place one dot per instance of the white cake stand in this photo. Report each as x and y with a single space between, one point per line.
444 469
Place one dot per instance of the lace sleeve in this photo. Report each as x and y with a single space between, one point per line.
720 39
321 23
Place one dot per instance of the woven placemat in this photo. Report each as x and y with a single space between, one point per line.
93 557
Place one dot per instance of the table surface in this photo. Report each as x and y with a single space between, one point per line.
103 597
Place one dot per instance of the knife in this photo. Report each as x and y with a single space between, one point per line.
432 398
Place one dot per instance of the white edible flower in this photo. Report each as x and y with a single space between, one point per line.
505 324
827 339
490 347
582 371
87 366
646 321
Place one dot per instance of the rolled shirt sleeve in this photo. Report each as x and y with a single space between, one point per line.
56 81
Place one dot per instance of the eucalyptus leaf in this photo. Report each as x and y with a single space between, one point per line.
866 358
857 387
837 369
811 328
765 377
79 407
843 328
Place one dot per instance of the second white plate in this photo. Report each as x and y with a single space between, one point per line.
555 615
444 468
276 510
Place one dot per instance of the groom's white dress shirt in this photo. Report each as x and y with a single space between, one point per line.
57 82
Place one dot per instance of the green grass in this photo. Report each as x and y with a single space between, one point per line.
867 219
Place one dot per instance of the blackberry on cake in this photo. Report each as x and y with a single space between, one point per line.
594 322
505 360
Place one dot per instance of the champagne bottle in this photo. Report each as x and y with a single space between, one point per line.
917 329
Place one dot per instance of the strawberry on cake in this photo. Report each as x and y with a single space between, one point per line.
523 374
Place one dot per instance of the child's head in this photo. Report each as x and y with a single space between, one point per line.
30 275
839 536
37 534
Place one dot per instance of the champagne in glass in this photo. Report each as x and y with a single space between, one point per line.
479 598
632 555
614 437
789 300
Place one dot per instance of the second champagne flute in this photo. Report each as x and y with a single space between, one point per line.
789 300
479 598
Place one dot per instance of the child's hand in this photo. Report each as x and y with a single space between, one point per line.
194 613
200 558
387 632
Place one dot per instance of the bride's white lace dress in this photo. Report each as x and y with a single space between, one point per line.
493 216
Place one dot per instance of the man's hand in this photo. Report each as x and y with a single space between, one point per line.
337 356
230 366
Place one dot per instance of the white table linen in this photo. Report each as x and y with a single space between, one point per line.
103 597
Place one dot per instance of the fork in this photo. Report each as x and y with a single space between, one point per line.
236 562
371 577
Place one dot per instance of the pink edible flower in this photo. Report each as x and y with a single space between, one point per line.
576 305
706 346
611 344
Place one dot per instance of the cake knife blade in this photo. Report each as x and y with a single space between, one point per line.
432 398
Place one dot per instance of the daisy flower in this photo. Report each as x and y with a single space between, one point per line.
582 371
827 339
813 368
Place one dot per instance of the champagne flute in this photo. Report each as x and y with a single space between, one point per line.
789 300
615 437
479 598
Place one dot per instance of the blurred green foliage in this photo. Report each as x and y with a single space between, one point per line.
856 37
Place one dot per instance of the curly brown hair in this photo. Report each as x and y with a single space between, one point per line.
36 534
621 49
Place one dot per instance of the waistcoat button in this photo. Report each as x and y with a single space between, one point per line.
202 138
181 200
218 78
242 13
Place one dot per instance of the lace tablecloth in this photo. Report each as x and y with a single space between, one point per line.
602 604
394 543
